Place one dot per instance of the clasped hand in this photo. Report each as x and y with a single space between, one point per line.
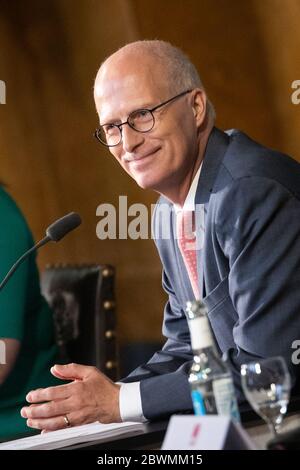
90 397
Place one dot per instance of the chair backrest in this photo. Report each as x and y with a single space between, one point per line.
83 304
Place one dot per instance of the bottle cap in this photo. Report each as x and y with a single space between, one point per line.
195 308
200 331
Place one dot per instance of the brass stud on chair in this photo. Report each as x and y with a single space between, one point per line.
111 365
108 304
109 334
106 272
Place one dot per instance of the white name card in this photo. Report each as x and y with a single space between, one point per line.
213 432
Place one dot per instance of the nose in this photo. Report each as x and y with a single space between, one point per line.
131 139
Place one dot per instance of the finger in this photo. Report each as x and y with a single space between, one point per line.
47 410
23 411
47 424
70 371
48 394
75 418
59 375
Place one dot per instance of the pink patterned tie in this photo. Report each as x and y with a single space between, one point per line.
187 244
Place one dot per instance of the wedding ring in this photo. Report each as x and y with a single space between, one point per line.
66 419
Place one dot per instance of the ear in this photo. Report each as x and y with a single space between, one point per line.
199 106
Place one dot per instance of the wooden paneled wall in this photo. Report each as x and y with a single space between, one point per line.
247 54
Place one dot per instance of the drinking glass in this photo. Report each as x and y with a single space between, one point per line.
266 384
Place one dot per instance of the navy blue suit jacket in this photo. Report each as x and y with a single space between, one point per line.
248 269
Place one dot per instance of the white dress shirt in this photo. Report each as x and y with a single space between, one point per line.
130 401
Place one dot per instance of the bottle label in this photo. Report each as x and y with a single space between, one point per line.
201 336
198 403
225 399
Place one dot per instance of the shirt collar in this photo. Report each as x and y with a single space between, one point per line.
189 203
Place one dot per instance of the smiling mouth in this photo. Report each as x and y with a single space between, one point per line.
137 158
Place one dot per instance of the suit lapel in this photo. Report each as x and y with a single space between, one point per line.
200 234
215 150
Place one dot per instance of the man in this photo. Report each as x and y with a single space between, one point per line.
158 123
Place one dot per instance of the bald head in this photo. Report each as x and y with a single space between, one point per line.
163 63
153 82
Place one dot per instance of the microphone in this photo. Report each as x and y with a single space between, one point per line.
54 232
62 226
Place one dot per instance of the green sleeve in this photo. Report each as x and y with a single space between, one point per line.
15 239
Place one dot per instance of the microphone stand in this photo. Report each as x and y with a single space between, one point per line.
20 260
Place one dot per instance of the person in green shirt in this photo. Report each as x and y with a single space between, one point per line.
27 342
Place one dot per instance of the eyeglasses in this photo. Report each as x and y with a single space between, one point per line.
141 120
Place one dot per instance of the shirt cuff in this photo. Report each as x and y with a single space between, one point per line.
130 402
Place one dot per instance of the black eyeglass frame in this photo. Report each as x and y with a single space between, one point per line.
119 126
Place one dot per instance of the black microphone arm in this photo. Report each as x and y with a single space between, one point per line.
54 232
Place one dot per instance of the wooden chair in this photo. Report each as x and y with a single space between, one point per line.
84 312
